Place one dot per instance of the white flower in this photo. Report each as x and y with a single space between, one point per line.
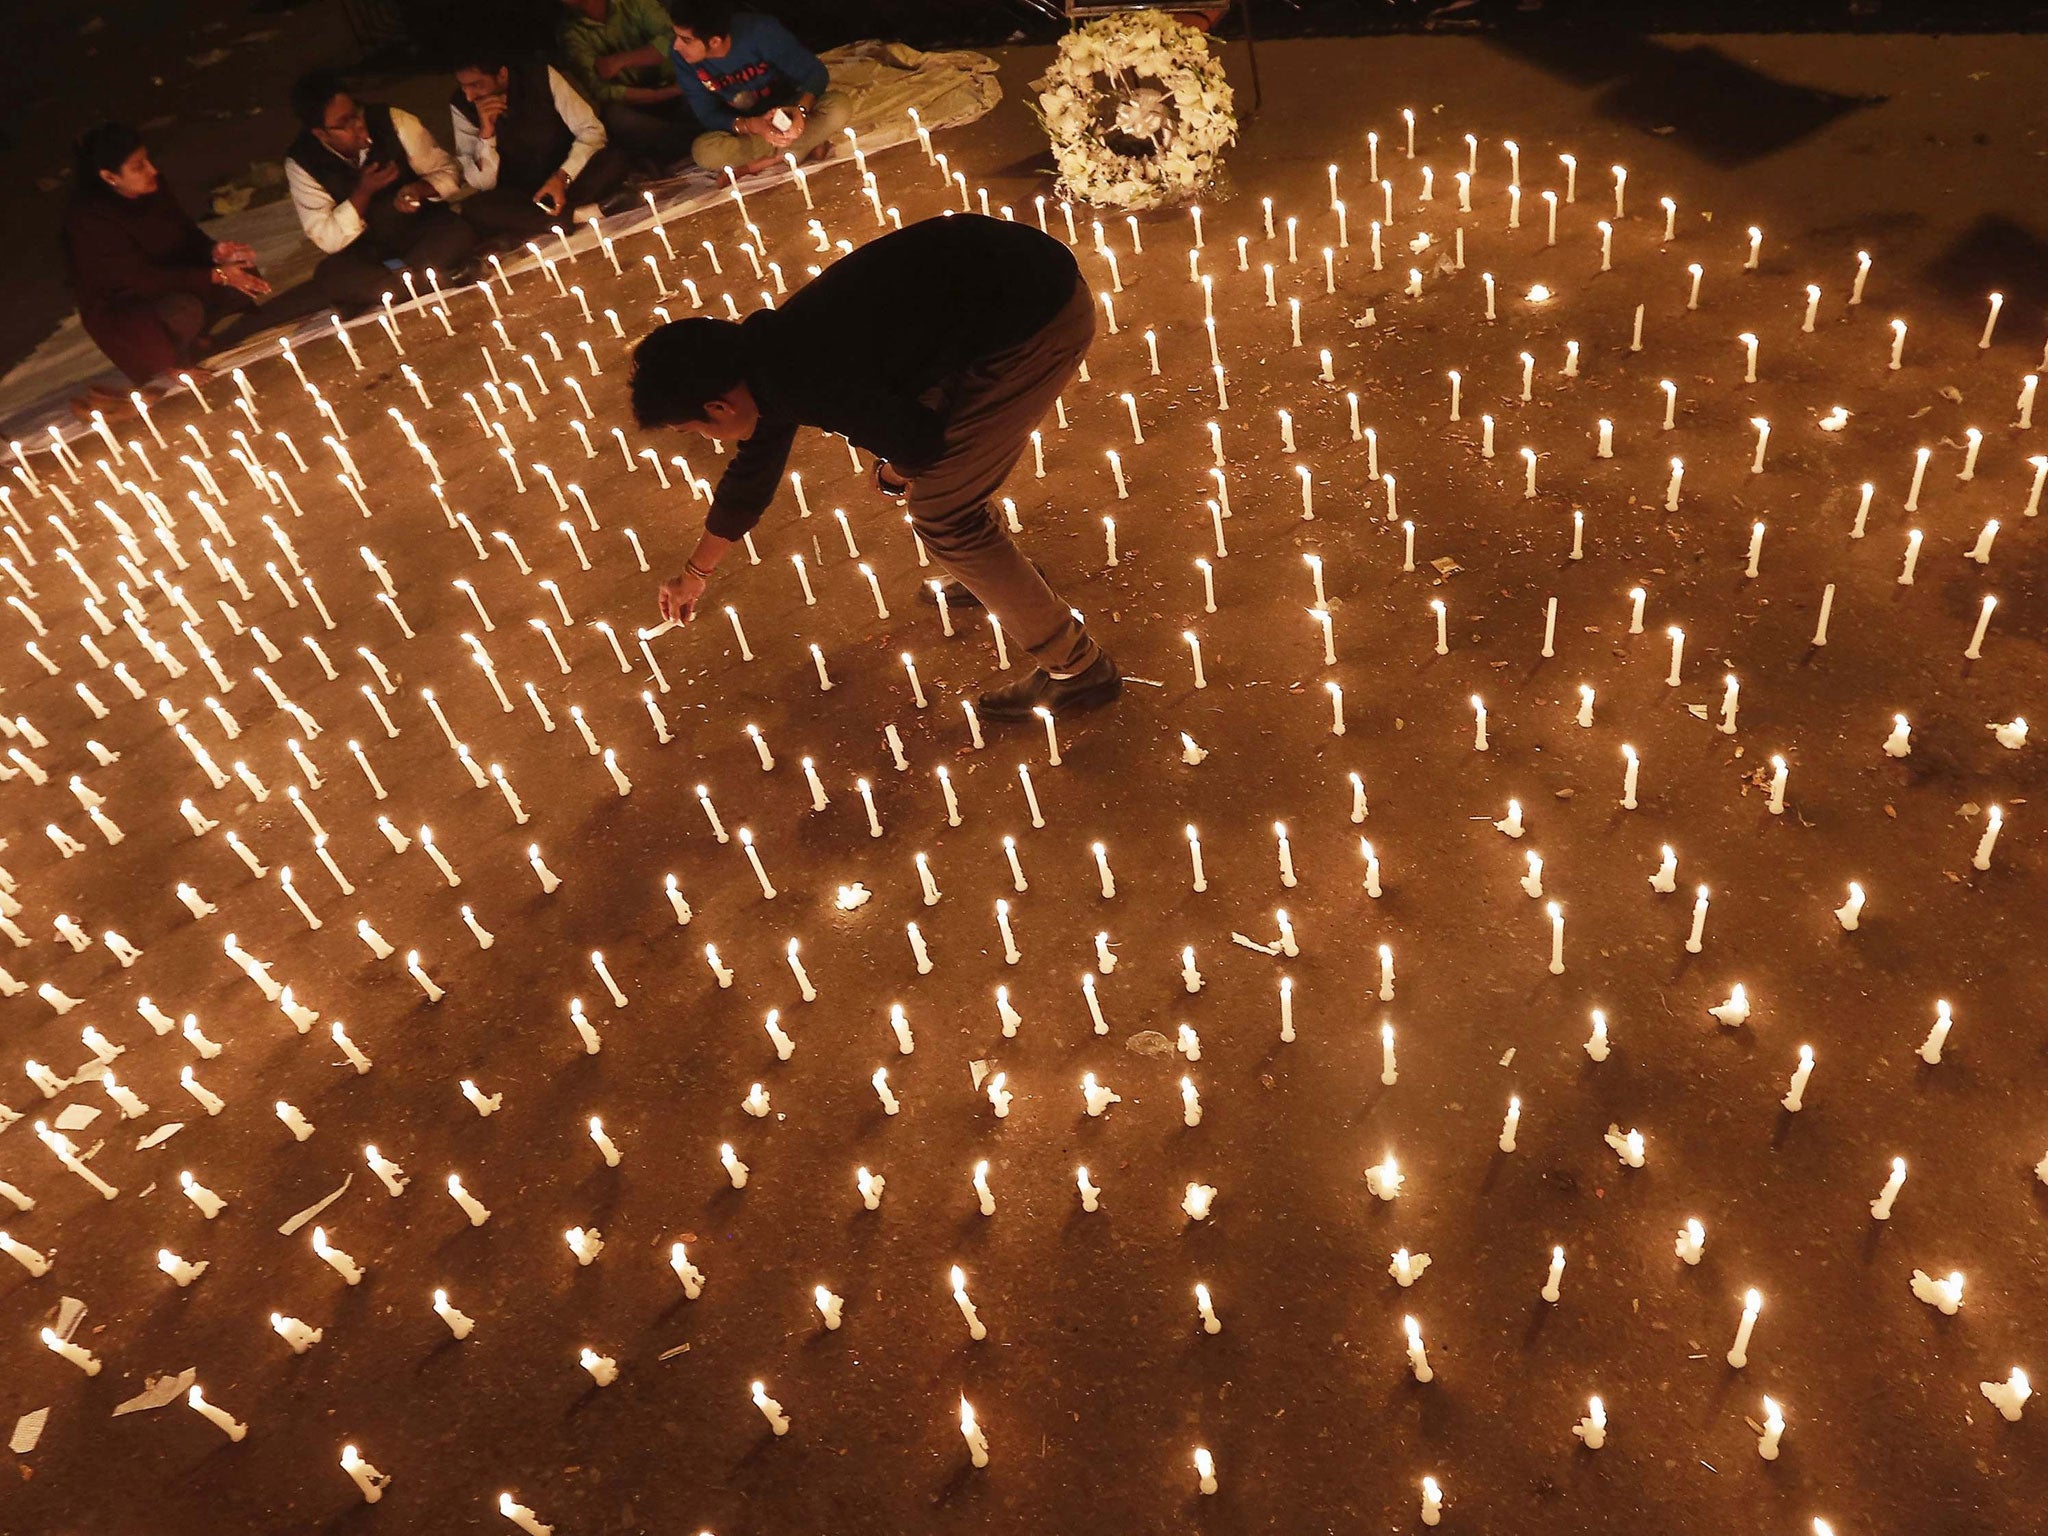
1147 77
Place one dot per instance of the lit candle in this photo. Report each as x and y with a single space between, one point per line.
976 1329
1752 1304
220 1418
77 1354
522 1517
1592 1430
1205 1470
1975 649
1692 1241
339 1262
1693 942
2008 1396
1795 1095
970 1430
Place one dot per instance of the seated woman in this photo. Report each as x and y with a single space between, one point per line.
149 282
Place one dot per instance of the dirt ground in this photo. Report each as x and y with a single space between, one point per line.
1096 1383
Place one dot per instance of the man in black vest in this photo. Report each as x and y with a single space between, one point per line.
530 145
371 188
939 349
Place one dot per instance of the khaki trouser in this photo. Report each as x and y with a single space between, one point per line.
991 409
827 119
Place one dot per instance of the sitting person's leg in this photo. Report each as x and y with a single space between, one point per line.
825 125
280 309
649 134
440 238
352 280
602 175
145 340
505 213
716 152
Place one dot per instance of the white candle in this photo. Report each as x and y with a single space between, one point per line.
1205 1470
1418 1358
1945 1296
1982 858
1384 1179
1693 942
1795 1095
335 1259
1752 1304
220 1418
1592 1430
77 1354
1975 649
1692 1241
368 1480
1632 765
522 1517
2010 1395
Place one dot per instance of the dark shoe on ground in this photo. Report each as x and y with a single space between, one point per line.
1092 689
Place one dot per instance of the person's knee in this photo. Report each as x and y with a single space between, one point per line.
182 314
958 531
832 111
716 151
605 173
350 282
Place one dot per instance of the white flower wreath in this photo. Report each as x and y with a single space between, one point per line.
1137 111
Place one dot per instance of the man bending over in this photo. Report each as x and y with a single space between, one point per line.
938 348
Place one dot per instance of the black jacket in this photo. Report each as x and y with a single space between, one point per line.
853 350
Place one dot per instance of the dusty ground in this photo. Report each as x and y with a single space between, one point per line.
1096 1384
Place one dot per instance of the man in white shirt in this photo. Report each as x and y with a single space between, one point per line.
530 145
371 189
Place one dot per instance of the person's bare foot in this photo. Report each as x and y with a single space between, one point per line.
822 152
756 167
97 397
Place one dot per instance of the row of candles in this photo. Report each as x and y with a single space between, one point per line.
1195 1200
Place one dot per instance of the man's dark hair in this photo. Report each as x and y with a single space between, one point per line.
681 367
702 19
104 147
311 94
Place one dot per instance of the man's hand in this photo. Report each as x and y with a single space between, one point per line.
888 482
553 193
488 111
243 280
612 65
679 596
374 178
413 194
799 121
230 253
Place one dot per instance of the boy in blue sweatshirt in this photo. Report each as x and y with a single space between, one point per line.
758 92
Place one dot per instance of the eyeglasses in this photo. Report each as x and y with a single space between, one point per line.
351 119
